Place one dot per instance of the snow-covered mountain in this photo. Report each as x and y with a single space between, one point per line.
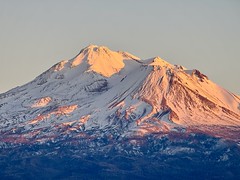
119 93
111 115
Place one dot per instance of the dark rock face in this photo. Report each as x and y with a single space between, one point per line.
97 86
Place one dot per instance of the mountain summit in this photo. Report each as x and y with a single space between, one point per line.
116 93
101 60
98 59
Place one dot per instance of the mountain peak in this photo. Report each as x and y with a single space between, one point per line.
96 48
157 61
102 60
160 62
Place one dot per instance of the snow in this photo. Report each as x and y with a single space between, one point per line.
102 60
100 88
60 66
157 61
63 110
42 102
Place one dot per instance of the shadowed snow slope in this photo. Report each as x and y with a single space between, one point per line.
106 90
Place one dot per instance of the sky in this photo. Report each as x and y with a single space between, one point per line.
203 35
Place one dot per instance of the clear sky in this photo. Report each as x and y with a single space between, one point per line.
35 34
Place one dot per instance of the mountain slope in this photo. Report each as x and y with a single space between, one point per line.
116 93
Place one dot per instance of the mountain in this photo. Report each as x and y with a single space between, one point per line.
102 99
100 88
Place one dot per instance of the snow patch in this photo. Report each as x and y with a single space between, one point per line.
42 102
60 111
59 66
75 125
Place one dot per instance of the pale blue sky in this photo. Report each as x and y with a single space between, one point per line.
204 34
